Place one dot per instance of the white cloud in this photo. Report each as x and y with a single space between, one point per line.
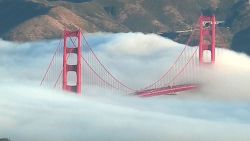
28 112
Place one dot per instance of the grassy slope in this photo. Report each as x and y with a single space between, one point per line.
122 16
16 12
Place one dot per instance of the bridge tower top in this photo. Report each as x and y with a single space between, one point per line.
207 38
72 47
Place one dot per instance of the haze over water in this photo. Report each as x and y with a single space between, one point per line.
220 110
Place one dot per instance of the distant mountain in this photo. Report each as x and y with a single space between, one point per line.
239 21
25 20
4 139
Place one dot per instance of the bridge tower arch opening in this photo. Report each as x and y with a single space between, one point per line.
207 38
72 46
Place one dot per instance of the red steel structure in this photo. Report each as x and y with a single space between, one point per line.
207 26
76 68
207 37
180 76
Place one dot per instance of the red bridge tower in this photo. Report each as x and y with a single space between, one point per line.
75 48
207 37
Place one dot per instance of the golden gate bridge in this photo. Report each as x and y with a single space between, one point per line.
75 67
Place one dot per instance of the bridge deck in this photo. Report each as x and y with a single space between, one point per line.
166 90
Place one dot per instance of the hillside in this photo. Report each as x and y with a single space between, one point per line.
26 20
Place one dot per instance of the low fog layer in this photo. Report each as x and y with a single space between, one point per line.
220 110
